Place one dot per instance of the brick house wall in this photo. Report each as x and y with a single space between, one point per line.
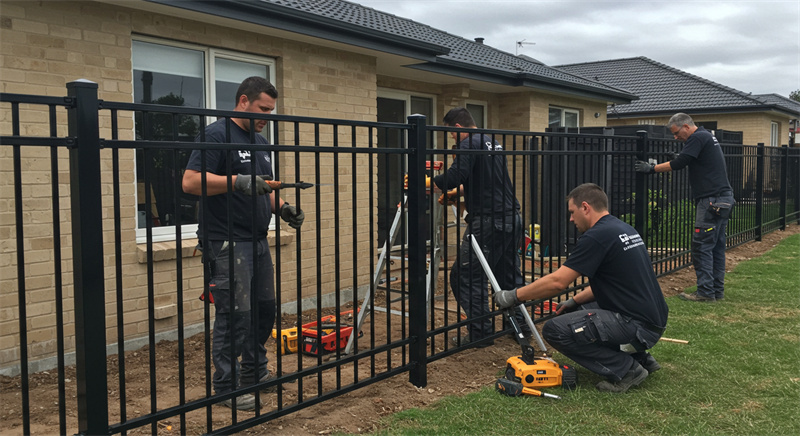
756 127
45 45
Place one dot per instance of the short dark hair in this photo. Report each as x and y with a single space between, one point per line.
592 194
459 115
253 86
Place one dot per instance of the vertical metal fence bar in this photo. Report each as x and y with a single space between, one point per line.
123 413
760 175
87 255
23 317
640 207
784 185
418 375
57 271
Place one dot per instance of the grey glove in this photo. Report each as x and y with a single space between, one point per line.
566 306
506 299
292 215
645 167
244 183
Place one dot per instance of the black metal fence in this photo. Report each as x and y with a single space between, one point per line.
395 295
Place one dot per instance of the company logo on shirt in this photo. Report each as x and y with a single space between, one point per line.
630 241
491 146
244 155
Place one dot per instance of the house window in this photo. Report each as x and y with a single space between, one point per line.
478 112
561 117
179 75
774 139
395 107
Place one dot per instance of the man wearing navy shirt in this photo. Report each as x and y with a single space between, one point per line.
713 197
248 290
493 218
612 322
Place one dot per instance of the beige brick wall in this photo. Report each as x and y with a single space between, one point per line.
45 45
756 127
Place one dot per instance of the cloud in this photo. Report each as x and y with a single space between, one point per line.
735 43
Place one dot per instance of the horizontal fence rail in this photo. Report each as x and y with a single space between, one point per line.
118 298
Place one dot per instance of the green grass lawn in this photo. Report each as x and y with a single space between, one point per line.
739 374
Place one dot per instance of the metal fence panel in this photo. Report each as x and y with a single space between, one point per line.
404 307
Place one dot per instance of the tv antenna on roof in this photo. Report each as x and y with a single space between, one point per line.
521 44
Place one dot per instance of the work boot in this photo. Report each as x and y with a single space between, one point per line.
243 402
634 377
694 296
650 364
267 377
465 341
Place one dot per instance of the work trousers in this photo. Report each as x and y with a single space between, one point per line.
500 238
604 342
708 244
244 303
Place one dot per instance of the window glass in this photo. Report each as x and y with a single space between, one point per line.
773 139
554 117
559 117
423 106
167 76
478 114
228 74
570 118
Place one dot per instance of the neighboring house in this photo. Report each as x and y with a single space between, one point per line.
663 91
328 58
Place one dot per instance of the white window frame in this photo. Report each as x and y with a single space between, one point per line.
189 231
565 111
774 134
395 94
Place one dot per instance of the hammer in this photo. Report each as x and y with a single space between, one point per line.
516 389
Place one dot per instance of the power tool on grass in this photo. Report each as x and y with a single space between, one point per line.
527 370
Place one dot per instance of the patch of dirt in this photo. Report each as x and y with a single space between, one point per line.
359 411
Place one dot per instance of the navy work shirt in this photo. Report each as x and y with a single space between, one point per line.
247 222
612 254
708 176
487 185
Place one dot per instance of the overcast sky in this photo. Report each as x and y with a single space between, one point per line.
752 46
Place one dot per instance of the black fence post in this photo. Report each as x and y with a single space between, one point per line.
760 174
794 169
640 187
87 258
784 184
417 301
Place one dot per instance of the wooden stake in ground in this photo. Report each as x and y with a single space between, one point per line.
677 341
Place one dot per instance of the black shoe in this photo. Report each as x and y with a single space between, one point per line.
650 364
694 296
267 377
465 341
634 377
243 402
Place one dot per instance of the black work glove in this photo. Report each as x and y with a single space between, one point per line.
506 299
292 215
645 167
566 306
244 183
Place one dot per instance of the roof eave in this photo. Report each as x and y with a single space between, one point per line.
521 79
291 20
706 110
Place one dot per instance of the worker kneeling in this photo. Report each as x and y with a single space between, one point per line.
608 326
